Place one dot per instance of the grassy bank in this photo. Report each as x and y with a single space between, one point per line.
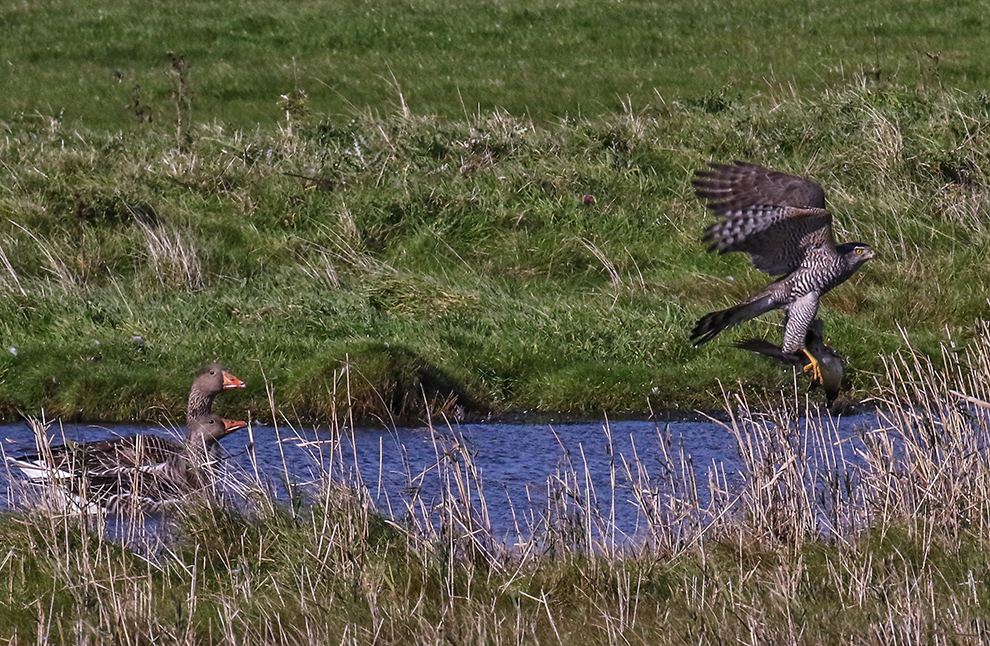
389 200
814 549
457 261
459 257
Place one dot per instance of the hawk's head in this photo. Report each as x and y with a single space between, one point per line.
856 253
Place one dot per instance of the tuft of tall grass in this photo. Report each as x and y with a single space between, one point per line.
64 276
171 256
10 279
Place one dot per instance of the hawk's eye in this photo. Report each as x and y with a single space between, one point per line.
859 251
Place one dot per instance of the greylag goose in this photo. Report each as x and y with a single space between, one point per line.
137 471
210 381
146 470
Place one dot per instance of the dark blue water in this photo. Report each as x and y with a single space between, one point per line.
522 470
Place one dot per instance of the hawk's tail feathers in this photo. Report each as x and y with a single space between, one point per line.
708 327
775 352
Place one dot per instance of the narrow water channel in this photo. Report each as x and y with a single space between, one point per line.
517 466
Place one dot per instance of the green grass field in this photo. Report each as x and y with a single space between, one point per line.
441 248
539 59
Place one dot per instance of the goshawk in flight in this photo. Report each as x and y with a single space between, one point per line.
781 222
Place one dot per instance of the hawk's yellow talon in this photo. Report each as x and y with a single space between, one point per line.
813 366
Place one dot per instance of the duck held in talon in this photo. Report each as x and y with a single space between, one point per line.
829 361
146 471
210 381
781 221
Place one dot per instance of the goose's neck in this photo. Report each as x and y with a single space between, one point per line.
200 404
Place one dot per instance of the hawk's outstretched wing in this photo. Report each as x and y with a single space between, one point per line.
775 217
